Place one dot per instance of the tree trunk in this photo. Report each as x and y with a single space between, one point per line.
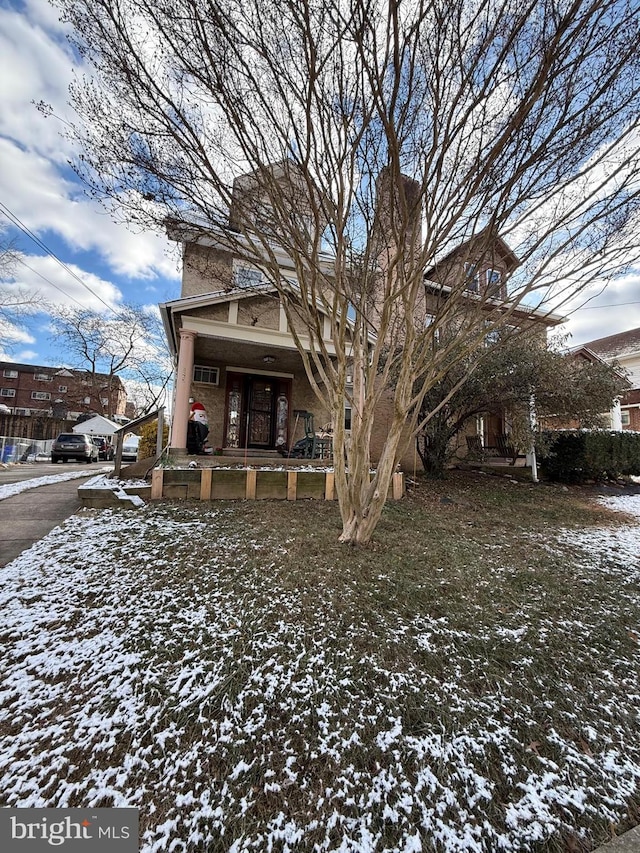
361 494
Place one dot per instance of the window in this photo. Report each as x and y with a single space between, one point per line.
210 375
10 374
62 389
626 417
23 411
472 278
7 392
246 277
43 377
347 417
494 277
429 320
104 401
86 400
40 395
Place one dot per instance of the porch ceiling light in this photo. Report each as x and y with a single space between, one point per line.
268 359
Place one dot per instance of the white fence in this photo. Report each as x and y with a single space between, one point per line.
14 449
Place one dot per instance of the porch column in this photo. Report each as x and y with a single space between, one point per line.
184 375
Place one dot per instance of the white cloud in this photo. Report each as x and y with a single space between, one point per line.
41 275
604 310
36 182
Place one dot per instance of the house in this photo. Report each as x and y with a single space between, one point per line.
33 390
623 351
234 344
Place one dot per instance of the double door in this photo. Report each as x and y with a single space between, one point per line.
257 411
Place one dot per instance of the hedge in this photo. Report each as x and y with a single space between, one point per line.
573 456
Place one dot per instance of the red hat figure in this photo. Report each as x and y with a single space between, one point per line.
199 413
197 429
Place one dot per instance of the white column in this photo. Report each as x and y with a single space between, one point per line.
184 375
616 416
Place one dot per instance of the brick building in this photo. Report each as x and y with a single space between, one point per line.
32 390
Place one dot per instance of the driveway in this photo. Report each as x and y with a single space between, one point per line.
29 516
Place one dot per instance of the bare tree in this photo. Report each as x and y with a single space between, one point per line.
16 303
128 346
409 127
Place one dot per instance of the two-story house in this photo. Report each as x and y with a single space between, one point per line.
234 344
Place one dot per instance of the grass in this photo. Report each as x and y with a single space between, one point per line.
468 682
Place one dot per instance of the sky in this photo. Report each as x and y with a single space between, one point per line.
107 264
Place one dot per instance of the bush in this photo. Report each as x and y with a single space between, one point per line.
573 456
148 437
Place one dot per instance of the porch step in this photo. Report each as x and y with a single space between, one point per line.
251 453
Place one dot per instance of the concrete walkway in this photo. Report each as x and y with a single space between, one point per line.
627 843
27 517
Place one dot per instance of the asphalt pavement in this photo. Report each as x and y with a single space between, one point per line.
27 517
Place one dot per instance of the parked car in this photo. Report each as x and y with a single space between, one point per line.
72 445
105 450
130 448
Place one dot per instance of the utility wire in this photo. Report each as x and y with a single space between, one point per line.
48 280
19 224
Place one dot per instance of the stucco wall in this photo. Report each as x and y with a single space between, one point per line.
205 270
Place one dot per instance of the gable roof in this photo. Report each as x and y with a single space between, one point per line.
618 345
588 354
98 425
496 243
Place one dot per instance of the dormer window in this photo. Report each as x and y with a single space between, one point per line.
471 278
494 280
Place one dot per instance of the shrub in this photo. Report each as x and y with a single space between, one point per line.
573 456
148 438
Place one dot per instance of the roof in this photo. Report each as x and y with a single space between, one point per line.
616 346
98 425
56 371
589 355
497 243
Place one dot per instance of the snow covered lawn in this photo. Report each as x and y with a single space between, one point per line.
249 685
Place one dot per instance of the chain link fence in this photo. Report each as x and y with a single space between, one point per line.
15 449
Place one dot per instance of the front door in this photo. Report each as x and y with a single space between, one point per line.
260 413
257 411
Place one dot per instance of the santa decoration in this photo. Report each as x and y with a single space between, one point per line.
198 428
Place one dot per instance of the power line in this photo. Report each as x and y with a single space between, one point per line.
612 305
19 224
53 284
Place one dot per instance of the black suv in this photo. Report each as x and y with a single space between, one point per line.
71 445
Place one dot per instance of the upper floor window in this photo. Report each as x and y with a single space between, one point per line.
7 392
62 389
471 278
43 377
10 374
494 278
247 276
429 321
210 375
40 395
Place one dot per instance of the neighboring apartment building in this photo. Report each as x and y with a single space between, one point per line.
623 350
236 354
33 390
